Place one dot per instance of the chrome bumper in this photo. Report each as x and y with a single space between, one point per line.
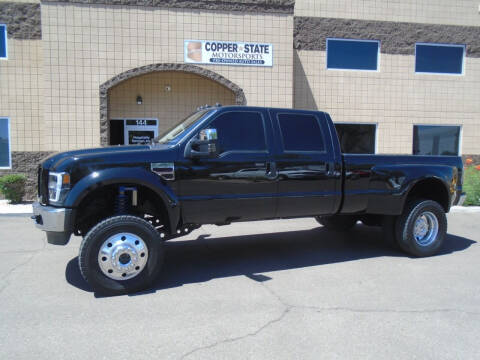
57 222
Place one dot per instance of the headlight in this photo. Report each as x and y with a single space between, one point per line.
58 186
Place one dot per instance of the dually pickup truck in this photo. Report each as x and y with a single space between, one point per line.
228 164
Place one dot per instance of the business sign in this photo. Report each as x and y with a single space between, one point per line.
228 53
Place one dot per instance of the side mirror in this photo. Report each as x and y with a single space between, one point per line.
202 146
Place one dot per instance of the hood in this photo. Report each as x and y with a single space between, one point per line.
64 161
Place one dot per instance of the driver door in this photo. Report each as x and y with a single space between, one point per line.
238 183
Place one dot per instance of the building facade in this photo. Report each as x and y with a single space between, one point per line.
396 76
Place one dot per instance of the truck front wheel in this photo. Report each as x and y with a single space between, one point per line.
337 222
421 228
120 255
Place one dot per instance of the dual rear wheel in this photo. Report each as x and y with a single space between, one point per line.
419 231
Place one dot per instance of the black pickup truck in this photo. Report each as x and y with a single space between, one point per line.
228 164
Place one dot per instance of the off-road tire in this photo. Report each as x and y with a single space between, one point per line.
404 227
89 248
337 222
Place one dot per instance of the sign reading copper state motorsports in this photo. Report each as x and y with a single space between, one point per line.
228 53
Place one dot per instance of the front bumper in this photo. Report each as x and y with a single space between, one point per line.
56 222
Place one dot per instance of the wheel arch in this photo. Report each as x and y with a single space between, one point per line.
99 182
431 188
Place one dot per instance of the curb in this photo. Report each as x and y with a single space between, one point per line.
465 209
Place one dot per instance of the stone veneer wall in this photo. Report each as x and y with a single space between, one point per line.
268 6
310 33
26 163
475 158
22 20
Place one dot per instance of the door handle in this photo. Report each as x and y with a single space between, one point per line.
331 169
271 170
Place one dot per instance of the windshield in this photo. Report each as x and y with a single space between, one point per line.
173 135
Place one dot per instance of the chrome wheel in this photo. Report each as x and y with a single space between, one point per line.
425 229
123 256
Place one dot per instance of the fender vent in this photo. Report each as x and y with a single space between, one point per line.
165 170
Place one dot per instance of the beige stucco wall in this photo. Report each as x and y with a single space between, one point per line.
451 12
187 92
21 94
395 98
86 45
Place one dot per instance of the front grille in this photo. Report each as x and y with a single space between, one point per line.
42 185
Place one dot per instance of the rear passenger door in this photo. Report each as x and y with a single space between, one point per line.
304 162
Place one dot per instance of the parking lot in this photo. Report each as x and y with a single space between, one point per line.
267 290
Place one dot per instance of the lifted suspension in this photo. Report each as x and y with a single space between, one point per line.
122 204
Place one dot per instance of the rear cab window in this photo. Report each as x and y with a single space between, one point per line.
300 133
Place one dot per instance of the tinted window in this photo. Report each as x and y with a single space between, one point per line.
356 138
3 41
440 59
4 144
435 140
240 131
352 54
300 132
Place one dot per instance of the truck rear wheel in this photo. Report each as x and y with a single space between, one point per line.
337 222
120 255
421 228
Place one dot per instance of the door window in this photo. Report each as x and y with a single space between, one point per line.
240 131
301 132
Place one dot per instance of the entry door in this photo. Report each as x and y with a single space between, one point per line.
238 184
306 178
140 131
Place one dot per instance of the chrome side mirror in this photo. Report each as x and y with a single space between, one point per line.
202 146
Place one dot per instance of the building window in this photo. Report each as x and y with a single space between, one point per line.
301 132
346 54
240 131
357 138
439 58
3 41
5 158
436 140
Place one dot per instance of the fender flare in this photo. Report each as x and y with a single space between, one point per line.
439 174
130 175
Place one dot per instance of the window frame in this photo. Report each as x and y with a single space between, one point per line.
460 137
9 144
282 142
442 45
356 40
6 42
362 123
225 153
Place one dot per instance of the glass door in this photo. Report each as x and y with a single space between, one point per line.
132 131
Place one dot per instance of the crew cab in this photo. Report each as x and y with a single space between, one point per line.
228 164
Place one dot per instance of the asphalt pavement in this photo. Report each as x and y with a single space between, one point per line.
284 289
